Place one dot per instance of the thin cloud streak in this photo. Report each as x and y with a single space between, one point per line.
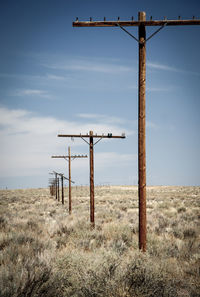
46 77
33 93
88 66
107 159
153 89
157 89
159 66
101 118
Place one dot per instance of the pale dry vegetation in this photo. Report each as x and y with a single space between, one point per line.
46 252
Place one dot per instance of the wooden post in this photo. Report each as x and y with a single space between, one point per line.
62 189
58 189
91 180
70 194
141 133
56 182
54 189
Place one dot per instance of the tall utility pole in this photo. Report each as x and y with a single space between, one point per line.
142 23
70 158
70 189
91 144
92 179
142 133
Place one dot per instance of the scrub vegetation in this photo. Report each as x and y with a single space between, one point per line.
46 252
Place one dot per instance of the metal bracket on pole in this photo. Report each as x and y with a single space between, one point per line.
85 140
98 140
128 33
156 32
147 38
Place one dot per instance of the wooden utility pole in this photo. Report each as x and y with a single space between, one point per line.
70 194
70 158
141 133
52 182
142 23
52 186
62 184
92 179
56 179
58 188
91 144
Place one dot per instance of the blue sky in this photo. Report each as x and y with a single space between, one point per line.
58 79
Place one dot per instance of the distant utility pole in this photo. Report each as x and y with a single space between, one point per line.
142 23
52 186
70 158
62 183
56 184
91 136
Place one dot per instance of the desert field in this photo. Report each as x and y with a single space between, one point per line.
47 252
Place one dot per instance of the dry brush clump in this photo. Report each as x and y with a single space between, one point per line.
46 252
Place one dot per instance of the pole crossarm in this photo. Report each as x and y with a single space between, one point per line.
178 22
109 135
61 174
75 156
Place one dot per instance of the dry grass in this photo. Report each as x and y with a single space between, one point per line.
46 252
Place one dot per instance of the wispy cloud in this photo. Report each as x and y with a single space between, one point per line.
107 159
153 89
32 92
152 125
28 140
55 77
102 118
159 66
45 77
86 65
159 89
